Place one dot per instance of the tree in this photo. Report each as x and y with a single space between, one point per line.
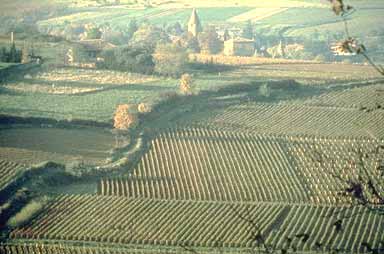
149 36
350 45
170 59
3 55
124 118
14 55
209 41
175 29
226 35
192 43
132 28
79 54
132 59
186 84
94 33
144 108
248 30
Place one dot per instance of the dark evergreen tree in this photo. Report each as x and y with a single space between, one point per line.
226 35
12 54
3 55
248 30
209 41
132 28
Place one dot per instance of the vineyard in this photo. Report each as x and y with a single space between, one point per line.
141 221
201 164
301 120
8 172
198 224
364 98
319 160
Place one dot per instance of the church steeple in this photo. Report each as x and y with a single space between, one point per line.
194 25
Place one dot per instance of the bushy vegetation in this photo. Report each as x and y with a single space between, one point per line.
186 84
27 212
170 60
125 117
13 55
129 59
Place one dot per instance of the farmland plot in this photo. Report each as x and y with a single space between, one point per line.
8 172
143 221
76 81
201 164
326 165
363 98
172 224
256 14
69 93
301 120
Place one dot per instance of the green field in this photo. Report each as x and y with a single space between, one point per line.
5 65
88 145
75 94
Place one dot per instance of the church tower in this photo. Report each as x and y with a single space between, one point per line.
194 25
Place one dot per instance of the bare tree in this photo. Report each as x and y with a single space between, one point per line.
350 45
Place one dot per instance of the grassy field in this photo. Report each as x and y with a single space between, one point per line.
29 145
304 18
5 65
79 94
66 94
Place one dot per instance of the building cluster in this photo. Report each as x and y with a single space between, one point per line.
233 43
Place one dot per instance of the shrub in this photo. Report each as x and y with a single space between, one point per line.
131 59
209 41
27 212
124 117
265 90
144 108
185 84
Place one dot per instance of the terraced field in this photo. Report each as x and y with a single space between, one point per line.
326 165
213 225
301 120
139 221
8 172
364 98
317 231
201 164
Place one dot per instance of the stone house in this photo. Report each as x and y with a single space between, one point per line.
239 47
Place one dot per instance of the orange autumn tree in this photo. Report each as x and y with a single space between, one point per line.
186 84
124 117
